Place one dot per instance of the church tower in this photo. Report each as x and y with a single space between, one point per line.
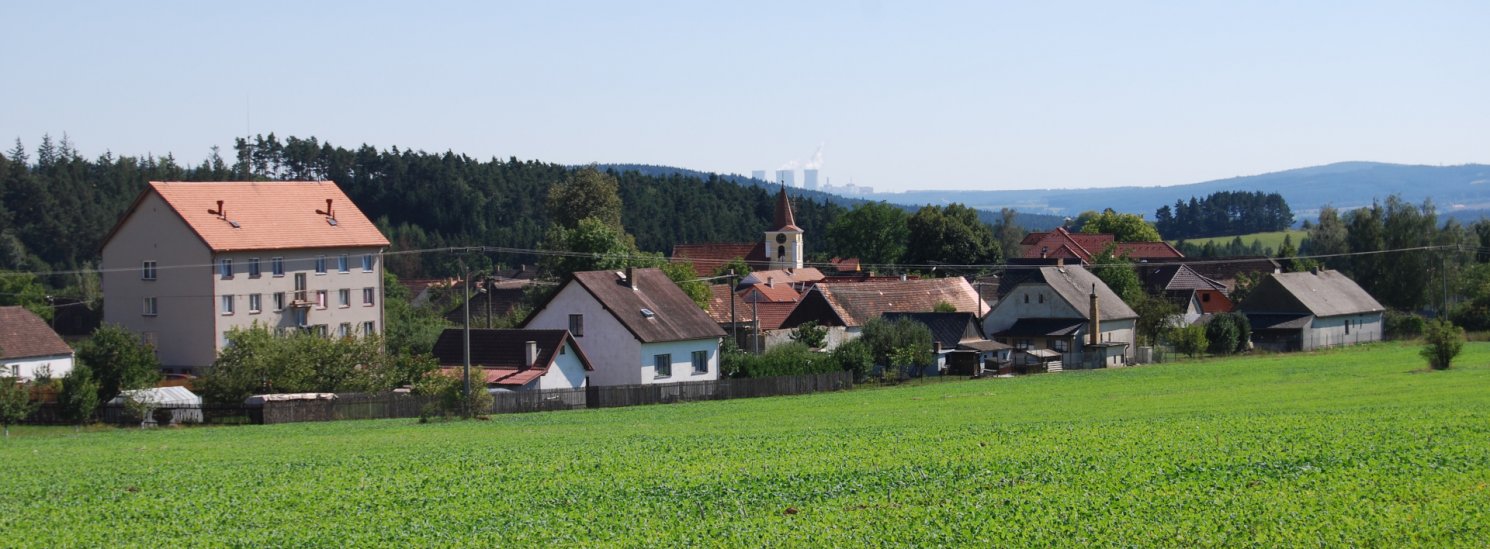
784 240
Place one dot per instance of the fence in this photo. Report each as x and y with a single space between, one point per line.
403 405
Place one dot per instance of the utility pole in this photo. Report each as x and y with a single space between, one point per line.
734 321
466 339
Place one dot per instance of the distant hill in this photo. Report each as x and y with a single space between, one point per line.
1459 191
1029 220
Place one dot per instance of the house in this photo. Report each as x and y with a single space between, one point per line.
780 249
1065 244
741 311
1065 313
516 360
958 343
640 327
190 261
492 299
29 347
844 308
1196 294
1309 310
1227 270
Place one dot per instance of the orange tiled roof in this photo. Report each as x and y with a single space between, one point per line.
270 214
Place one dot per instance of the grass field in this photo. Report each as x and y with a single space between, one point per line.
1272 240
1351 447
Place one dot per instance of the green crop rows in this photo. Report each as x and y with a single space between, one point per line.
1355 447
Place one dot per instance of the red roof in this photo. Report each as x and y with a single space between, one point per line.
770 313
707 258
25 335
1148 250
1064 243
266 215
777 293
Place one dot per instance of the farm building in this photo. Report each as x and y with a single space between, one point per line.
1310 310
1062 310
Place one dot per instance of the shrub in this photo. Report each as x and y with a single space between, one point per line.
451 393
1189 340
855 356
810 334
1442 342
787 359
15 402
885 338
78 398
1401 325
1228 333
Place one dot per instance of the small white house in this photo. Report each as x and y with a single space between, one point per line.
639 327
29 347
516 360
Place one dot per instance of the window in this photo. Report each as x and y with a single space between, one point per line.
342 264
1205 298
253 267
1026 298
147 270
320 264
1024 344
577 325
279 301
663 364
1060 345
368 328
344 297
255 302
1347 326
301 317
225 341
300 287
1042 298
225 268
150 309
227 304
345 330
700 362
320 299
277 266
319 329
367 296
367 263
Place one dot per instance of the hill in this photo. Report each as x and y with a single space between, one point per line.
1350 447
1464 190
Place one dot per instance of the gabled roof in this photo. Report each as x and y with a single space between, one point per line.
268 215
1322 294
1175 277
673 315
25 335
1063 243
709 257
1043 327
949 329
1074 285
1225 268
1147 250
784 220
502 354
783 276
770 314
854 303
778 293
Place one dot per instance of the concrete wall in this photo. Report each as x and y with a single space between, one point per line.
611 348
1331 331
56 366
242 285
566 373
183 331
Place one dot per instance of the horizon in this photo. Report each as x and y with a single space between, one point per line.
896 96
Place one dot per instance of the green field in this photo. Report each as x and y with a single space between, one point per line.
1272 240
1357 447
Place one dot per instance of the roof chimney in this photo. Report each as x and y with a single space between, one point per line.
630 278
902 277
1095 336
219 212
770 282
530 357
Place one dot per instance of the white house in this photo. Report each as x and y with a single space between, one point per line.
637 326
188 262
29 347
1065 312
516 360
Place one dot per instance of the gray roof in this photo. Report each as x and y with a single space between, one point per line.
947 328
1074 284
1322 293
673 315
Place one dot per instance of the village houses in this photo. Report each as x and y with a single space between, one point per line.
1062 316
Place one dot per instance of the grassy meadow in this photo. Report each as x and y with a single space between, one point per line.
1344 447
1272 240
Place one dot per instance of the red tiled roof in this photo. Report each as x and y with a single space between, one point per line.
25 335
269 214
858 302
781 292
1147 250
707 258
1063 243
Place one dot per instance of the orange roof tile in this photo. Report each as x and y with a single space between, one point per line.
269 214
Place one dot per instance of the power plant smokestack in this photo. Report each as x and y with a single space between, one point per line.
759 175
809 179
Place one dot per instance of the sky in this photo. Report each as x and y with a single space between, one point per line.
898 95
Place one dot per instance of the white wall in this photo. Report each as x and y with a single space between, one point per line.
566 373
26 368
611 348
1043 303
242 285
682 360
1330 331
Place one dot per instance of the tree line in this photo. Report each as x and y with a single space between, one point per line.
1224 213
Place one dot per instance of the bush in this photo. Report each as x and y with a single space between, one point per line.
909 338
451 393
1399 325
15 402
788 359
1474 315
1228 333
1189 340
810 334
855 356
78 398
1442 342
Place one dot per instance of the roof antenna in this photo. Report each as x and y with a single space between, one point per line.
329 213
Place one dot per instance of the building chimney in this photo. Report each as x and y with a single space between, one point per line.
1060 262
938 347
630 278
531 356
770 282
221 213
1095 336
902 277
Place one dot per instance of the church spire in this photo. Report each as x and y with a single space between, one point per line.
784 221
